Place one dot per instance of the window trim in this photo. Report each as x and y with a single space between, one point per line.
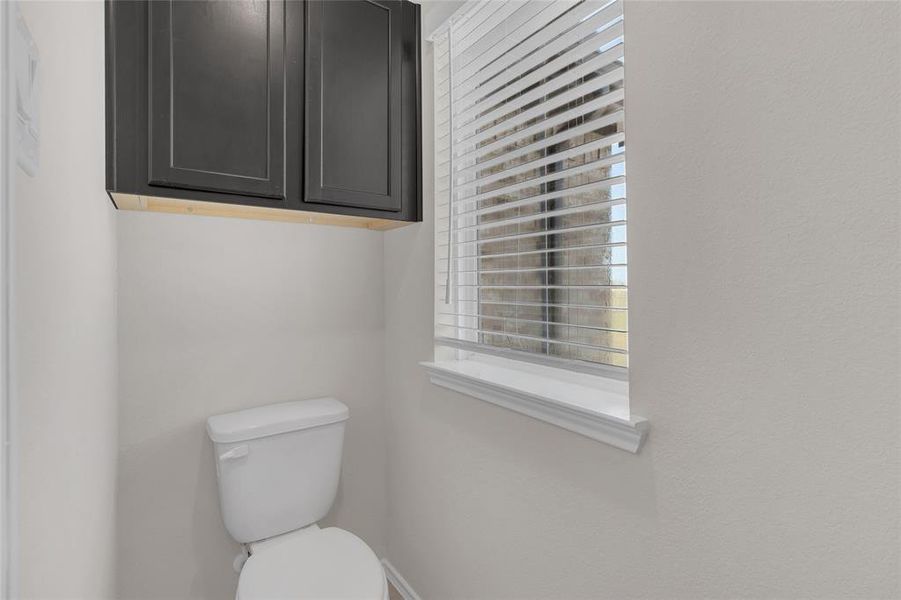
592 406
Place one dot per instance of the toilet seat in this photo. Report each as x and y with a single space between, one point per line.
312 563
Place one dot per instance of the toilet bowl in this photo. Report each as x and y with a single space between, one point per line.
278 468
313 563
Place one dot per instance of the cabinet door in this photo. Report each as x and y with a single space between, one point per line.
353 154
217 117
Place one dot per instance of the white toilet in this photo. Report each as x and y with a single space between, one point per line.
278 469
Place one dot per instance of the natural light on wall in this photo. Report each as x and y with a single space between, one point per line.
530 183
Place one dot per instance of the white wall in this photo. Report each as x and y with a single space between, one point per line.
64 286
216 315
764 269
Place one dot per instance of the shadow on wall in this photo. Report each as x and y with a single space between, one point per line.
627 479
186 507
212 566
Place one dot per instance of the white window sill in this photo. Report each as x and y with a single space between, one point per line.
596 407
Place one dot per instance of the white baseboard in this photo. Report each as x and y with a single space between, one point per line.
399 583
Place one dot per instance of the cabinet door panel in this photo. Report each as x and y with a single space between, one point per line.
217 96
353 102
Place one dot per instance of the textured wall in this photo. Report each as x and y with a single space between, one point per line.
64 338
222 314
764 248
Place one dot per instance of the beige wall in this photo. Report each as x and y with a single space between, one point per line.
218 315
764 248
64 348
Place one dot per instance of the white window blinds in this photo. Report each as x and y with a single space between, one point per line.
530 181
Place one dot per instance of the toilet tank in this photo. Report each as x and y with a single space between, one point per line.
277 465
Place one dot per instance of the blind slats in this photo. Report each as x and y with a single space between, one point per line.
607 161
520 77
472 30
546 30
568 250
533 269
516 305
541 145
544 108
550 158
534 234
505 23
491 318
558 120
472 72
530 218
530 182
469 124
546 340
581 189
476 13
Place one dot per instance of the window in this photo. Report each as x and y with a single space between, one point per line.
530 182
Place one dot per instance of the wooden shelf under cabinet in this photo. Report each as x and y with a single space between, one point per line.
239 211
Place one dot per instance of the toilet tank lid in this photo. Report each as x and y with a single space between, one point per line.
273 419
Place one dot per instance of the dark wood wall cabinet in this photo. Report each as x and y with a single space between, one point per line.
306 111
